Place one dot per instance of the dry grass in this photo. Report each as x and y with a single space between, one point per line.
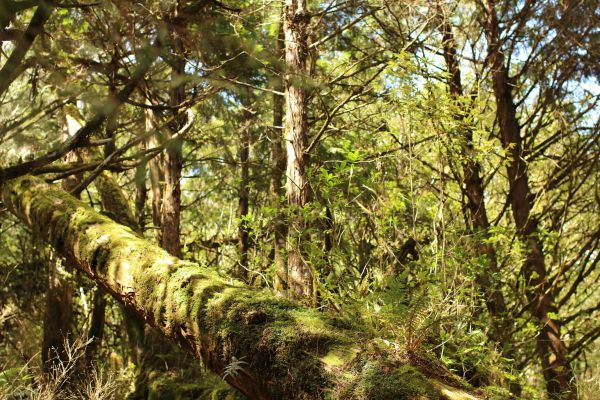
68 379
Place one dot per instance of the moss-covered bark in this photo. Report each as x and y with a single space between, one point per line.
267 347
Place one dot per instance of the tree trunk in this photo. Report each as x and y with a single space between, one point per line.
301 277
173 164
278 166
156 176
96 331
143 342
551 348
477 219
275 348
58 315
141 194
242 270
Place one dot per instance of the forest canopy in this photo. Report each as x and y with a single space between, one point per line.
299 199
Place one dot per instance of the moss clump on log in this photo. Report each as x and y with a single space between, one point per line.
267 347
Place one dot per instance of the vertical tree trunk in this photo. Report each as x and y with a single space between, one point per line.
551 348
171 206
156 176
141 194
477 219
278 166
96 331
301 277
243 192
57 317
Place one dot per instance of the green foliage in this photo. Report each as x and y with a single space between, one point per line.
388 232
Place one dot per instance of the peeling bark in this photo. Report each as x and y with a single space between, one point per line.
288 352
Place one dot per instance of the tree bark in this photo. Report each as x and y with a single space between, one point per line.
173 163
301 277
141 194
115 204
156 176
96 331
278 166
242 270
283 351
551 349
58 315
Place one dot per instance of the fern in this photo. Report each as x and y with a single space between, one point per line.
410 309
234 367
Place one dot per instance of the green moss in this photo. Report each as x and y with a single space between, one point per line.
339 356
166 386
496 393
289 352
378 380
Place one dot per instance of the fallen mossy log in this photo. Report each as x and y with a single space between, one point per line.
266 347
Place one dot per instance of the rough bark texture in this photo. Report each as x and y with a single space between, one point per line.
173 164
301 277
551 349
288 352
278 166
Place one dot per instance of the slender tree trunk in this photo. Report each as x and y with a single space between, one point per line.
301 277
141 194
134 325
96 330
58 317
156 176
551 349
278 166
171 203
14 66
477 219
242 270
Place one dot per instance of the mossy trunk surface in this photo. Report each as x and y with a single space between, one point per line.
265 346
